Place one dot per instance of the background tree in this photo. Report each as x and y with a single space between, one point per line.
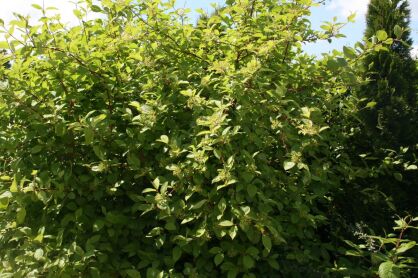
391 123
391 93
386 138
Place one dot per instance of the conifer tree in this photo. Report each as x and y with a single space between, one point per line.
389 114
391 93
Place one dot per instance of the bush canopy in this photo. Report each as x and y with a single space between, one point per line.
142 144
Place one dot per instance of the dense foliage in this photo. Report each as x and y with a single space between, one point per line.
393 77
387 136
139 144
384 142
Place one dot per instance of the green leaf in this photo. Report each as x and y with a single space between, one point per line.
13 186
274 264
398 176
371 104
198 205
333 65
96 120
218 259
135 104
287 165
40 236
266 242
36 149
349 52
306 112
200 232
99 168
60 129
5 199
88 135
233 273
381 35
133 161
20 215
156 183
164 139
78 14
149 190
94 272
226 223
96 8
246 210
36 6
412 167
98 151
397 30
187 219
351 17
154 273
388 41
389 270
215 250
405 247
176 253
170 226
4 45
248 262
233 232
5 178
133 273
39 254
251 190
98 225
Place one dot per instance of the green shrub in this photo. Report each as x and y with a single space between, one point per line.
139 144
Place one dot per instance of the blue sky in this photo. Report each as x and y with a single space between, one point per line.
339 8
353 31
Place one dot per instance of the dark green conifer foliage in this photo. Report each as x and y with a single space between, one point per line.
393 77
389 115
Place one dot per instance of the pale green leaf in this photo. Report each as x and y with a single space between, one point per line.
39 254
381 35
13 186
371 104
389 270
5 199
412 167
405 247
164 139
287 165
36 6
226 223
